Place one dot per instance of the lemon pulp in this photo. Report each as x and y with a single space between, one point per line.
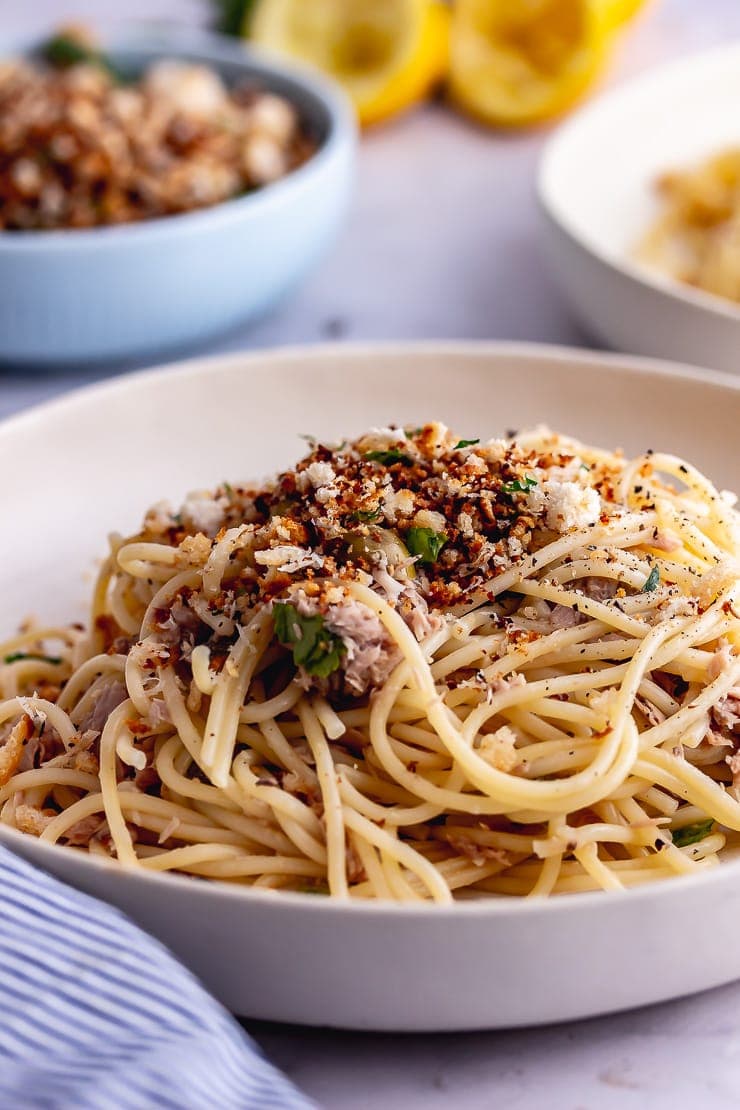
522 61
387 54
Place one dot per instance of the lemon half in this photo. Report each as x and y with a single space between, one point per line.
622 11
516 62
388 54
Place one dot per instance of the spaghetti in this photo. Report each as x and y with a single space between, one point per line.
411 668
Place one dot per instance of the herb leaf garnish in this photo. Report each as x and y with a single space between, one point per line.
17 656
692 834
367 516
652 581
233 16
520 485
314 647
65 50
465 443
425 543
389 457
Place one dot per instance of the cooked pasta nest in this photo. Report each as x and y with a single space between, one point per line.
412 667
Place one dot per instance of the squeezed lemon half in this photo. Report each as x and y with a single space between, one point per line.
388 54
621 11
516 62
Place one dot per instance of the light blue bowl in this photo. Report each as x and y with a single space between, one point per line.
145 289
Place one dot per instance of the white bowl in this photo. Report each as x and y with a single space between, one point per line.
126 291
101 456
596 192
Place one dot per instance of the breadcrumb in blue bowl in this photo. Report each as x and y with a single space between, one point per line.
155 273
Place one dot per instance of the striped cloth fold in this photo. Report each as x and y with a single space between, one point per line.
96 1015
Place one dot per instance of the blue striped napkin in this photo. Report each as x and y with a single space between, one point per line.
96 1015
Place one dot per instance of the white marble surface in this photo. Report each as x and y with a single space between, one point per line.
681 1056
443 242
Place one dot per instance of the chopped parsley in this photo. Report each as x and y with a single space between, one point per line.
313 443
17 656
314 647
233 16
411 433
64 51
652 581
692 834
367 516
228 489
520 485
389 457
425 543
465 443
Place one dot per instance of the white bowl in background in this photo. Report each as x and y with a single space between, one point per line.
101 456
596 193
140 289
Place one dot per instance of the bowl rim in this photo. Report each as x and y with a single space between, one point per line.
172 40
549 197
29 847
